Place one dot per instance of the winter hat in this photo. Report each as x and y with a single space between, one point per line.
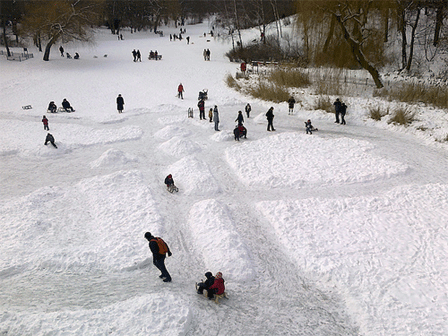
208 275
218 275
148 235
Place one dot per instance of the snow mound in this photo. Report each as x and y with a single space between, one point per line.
106 216
386 252
170 131
113 157
193 177
155 314
172 120
220 244
180 147
292 160
222 136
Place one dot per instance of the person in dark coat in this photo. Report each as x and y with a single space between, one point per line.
66 105
139 56
120 104
50 139
76 56
240 118
201 105
248 108
291 102
343 112
216 117
158 259
217 288
45 122
134 53
270 117
52 107
169 181
236 133
206 284
337 109
61 50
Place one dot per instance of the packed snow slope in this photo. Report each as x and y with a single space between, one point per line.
343 232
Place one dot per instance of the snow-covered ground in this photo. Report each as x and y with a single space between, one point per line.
343 232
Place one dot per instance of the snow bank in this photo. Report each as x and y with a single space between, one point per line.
155 314
179 147
112 158
386 253
193 177
97 223
285 160
170 131
216 238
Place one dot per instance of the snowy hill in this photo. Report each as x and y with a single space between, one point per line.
343 232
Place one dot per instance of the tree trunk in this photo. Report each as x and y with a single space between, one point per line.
48 47
330 34
411 48
358 54
403 39
439 22
386 25
8 52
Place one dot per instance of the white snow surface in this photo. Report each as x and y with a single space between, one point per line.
343 232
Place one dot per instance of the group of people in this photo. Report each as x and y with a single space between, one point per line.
206 54
137 55
213 285
52 108
61 50
340 109
153 55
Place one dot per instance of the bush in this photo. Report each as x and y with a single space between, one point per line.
324 103
271 92
231 82
262 52
402 116
289 78
329 82
413 93
376 113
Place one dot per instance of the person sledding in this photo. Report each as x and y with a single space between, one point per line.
218 287
205 285
309 127
170 184
66 105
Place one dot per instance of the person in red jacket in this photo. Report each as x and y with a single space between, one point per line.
217 288
180 90
45 122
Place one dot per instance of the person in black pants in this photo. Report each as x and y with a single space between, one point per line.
337 109
50 139
206 284
158 259
270 117
343 111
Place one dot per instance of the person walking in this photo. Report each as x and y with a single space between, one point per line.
248 108
120 104
45 122
240 118
180 91
159 250
343 112
61 50
134 53
204 53
210 114
139 56
291 102
50 139
337 109
201 105
270 117
208 54
216 117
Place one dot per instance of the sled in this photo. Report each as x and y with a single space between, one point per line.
216 297
60 109
27 107
172 188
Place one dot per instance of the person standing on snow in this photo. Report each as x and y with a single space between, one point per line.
180 91
216 117
240 118
291 102
248 108
120 104
210 114
201 105
158 256
270 117
208 54
134 53
45 122
343 111
337 109
61 50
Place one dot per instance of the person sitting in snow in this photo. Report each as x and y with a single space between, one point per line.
217 288
52 107
205 285
66 105
309 127
50 139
